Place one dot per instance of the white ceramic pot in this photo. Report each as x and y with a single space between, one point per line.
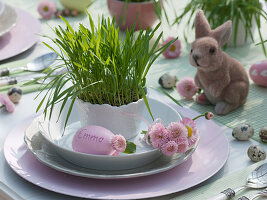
122 120
241 35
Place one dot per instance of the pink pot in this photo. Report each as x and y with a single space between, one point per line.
125 17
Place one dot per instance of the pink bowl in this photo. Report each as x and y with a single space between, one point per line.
146 14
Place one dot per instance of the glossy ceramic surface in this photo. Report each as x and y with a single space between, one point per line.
21 37
145 154
79 5
44 152
126 14
2 7
8 19
208 158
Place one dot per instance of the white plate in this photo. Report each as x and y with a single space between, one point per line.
8 18
2 7
41 149
145 154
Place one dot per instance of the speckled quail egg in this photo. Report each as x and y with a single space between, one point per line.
15 94
243 132
167 81
256 153
263 134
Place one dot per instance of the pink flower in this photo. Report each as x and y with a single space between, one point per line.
46 9
66 12
201 98
74 13
118 143
59 13
169 148
157 134
174 50
182 145
116 153
5 101
191 130
176 130
186 87
209 115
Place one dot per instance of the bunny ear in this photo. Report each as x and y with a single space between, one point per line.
202 27
222 33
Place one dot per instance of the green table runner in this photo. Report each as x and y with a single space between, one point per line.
234 180
25 88
253 112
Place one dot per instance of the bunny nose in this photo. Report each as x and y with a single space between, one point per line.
195 57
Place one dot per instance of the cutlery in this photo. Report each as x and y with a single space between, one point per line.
256 179
6 80
261 193
38 64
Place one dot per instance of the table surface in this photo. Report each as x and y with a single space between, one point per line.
237 158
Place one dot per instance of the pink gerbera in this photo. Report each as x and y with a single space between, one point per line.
157 134
7 103
46 9
186 87
118 143
169 148
176 130
191 130
174 50
182 145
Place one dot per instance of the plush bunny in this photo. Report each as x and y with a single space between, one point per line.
223 79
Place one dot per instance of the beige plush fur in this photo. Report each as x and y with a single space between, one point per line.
223 79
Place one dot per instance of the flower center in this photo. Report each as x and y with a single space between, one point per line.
173 48
159 136
45 8
120 144
170 148
176 133
190 131
188 88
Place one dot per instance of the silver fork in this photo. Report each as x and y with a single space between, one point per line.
261 193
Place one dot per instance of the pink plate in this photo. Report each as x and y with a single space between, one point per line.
21 37
209 157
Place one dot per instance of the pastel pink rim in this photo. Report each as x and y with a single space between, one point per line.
126 16
208 159
22 37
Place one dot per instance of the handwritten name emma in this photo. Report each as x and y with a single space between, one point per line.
93 138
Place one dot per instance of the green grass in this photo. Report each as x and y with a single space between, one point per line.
219 11
103 67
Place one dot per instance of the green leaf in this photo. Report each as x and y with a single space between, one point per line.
130 147
143 132
147 105
168 95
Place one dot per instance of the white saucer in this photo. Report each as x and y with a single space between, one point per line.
43 151
52 132
2 7
8 18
